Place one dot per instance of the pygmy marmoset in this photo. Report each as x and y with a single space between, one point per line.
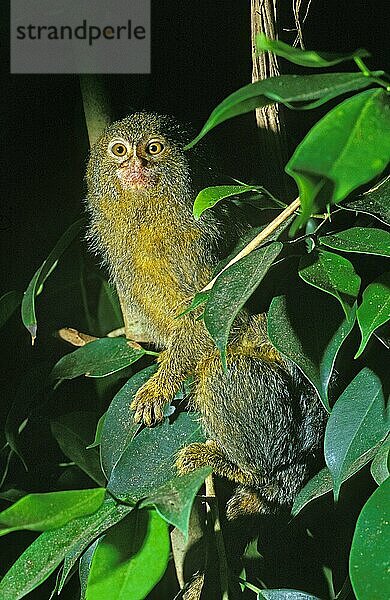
263 421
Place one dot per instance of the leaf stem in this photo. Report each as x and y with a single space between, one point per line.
366 71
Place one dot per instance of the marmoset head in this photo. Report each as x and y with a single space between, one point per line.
143 153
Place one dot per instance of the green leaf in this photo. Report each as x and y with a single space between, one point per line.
173 501
305 58
285 594
209 196
12 495
380 466
310 329
233 288
107 519
366 240
374 310
160 445
333 274
374 202
358 422
35 286
44 555
369 561
97 359
119 428
72 433
356 135
286 89
317 486
322 482
199 299
130 560
98 432
9 302
40 512
85 567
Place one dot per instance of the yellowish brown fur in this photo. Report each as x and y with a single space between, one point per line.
263 421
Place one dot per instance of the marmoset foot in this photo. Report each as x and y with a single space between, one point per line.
210 454
148 405
195 456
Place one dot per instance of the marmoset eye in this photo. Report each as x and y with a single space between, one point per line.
118 149
154 147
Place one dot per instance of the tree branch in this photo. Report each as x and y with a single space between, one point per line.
259 239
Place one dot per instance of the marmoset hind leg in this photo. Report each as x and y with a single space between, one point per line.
210 454
263 427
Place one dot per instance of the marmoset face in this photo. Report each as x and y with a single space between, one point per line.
142 153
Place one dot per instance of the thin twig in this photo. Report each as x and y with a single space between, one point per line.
213 511
259 239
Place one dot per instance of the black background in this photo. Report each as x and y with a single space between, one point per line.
201 52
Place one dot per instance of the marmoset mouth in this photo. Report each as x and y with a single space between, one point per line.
135 176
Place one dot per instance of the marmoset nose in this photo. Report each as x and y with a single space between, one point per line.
138 160
135 162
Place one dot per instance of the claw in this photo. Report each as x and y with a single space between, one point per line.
148 415
147 407
138 415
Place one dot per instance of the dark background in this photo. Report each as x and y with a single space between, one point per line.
201 52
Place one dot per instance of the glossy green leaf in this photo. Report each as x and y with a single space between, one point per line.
369 561
97 359
358 422
374 310
233 288
174 500
35 286
44 555
109 518
356 135
208 197
317 486
160 445
40 512
380 466
374 202
72 433
130 560
312 348
366 240
287 89
322 482
119 428
305 58
285 594
9 302
333 274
